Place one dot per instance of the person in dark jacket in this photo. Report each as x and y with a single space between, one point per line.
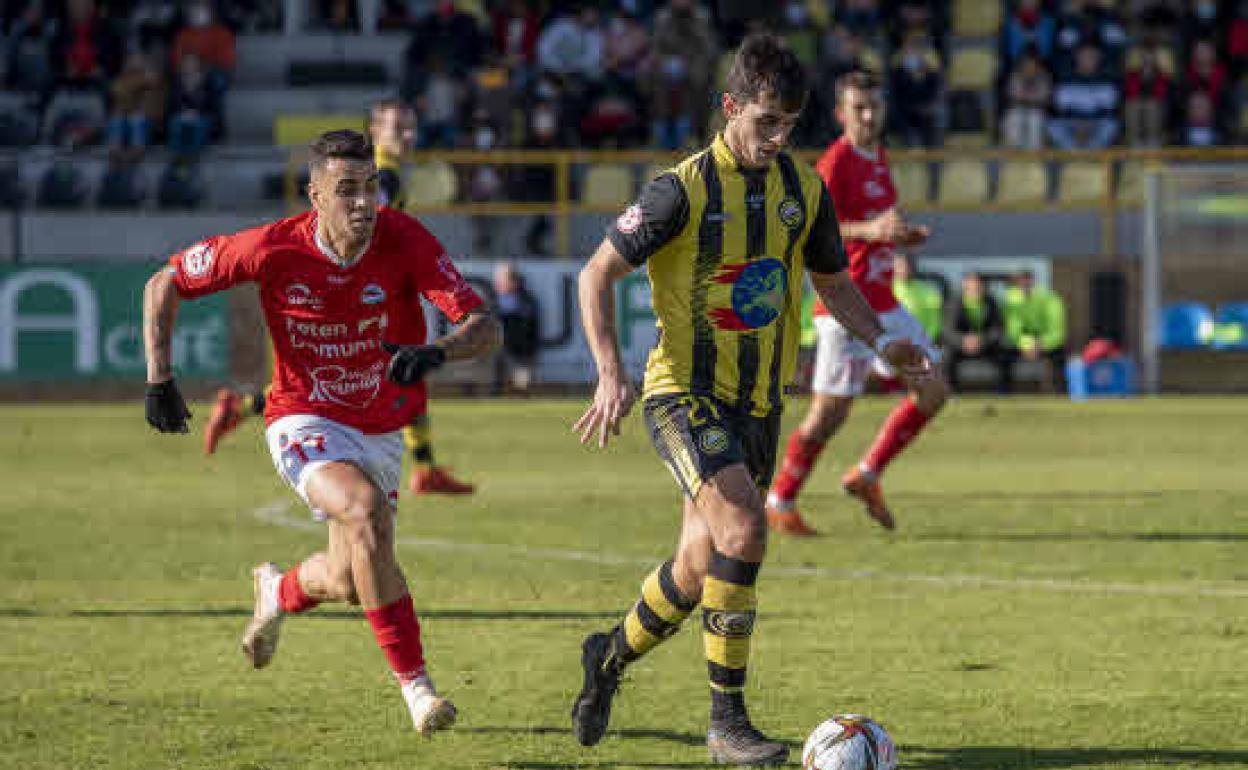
974 328
521 317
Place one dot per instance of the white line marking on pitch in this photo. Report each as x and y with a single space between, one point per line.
280 514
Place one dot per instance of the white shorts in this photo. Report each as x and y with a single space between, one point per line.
842 361
301 443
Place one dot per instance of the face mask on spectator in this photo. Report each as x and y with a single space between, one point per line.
483 138
795 14
913 62
199 16
1207 11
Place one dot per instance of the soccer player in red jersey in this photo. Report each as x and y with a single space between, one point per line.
392 129
334 283
855 169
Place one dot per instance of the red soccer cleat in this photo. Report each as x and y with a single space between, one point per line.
437 480
789 523
225 417
866 489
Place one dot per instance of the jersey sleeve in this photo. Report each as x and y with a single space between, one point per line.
437 279
824 251
646 226
218 263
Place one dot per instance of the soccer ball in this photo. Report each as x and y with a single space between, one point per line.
849 742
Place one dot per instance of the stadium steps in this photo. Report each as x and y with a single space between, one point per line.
264 60
250 113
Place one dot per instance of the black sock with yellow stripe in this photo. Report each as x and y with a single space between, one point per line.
655 617
419 441
253 403
728 605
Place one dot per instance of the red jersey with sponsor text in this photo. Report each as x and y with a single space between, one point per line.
327 321
862 188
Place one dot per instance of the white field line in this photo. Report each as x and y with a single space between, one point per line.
280 513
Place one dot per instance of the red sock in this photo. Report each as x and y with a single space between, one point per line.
291 595
799 459
398 634
901 427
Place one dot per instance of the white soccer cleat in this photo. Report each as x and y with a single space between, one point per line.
430 711
260 638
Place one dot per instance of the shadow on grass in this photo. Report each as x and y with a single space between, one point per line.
1000 757
245 612
687 739
1078 536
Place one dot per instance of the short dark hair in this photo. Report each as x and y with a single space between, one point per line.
862 80
764 64
342 143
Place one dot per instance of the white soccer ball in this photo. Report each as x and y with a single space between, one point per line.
849 742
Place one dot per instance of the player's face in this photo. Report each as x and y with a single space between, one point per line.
344 194
393 130
758 129
862 114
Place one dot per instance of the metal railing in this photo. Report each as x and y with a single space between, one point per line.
566 165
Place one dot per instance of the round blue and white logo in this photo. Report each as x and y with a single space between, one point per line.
758 293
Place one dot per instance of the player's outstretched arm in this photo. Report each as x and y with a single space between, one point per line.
164 407
845 302
615 394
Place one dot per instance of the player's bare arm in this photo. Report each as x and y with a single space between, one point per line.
846 303
614 396
165 410
888 227
479 334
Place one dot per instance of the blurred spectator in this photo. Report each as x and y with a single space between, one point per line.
121 186
138 104
861 17
536 183
154 23
206 38
341 15
1089 22
438 107
1156 22
1237 38
447 35
974 329
1205 74
28 50
521 318
626 46
910 17
1146 94
1027 28
920 297
799 31
392 130
1027 93
516 28
1201 21
684 56
1085 105
1035 329
191 105
1200 127
86 52
843 51
484 182
917 91
571 46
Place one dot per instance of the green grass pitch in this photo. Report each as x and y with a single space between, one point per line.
1068 588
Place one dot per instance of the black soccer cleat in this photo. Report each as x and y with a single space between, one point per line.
592 709
734 741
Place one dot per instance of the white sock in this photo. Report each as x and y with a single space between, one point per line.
270 590
774 501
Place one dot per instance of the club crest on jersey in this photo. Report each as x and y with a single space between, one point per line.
197 260
713 441
630 220
790 212
373 294
300 294
756 297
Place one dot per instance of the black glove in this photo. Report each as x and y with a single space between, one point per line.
411 363
166 411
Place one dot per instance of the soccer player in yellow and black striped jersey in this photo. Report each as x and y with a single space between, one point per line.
392 130
727 237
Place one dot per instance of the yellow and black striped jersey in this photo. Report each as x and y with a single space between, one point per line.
726 248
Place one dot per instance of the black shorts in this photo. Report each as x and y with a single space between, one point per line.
699 436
